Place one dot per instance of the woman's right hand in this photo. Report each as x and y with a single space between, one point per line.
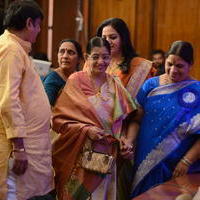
180 169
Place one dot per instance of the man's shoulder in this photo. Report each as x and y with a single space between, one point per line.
10 48
8 44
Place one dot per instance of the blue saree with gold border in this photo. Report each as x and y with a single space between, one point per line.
169 128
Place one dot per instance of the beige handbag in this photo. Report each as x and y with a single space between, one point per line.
97 162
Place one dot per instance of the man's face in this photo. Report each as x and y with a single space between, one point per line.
33 29
158 59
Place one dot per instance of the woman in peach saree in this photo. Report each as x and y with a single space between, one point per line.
89 114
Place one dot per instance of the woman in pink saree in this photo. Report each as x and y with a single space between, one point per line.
89 114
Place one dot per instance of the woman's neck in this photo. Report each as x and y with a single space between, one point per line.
98 79
64 73
117 58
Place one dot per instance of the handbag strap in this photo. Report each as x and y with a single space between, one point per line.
104 142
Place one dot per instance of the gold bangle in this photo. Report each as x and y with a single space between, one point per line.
186 161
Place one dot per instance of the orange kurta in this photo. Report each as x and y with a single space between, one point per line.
24 112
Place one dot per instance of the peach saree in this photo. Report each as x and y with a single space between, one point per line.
78 111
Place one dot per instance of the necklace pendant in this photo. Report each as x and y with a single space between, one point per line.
99 95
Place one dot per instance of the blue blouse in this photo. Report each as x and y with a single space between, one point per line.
53 84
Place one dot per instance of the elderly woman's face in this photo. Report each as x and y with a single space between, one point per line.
98 60
67 56
177 68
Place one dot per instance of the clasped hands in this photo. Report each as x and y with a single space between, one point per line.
126 146
127 149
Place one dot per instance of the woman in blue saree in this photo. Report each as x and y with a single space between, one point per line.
168 144
69 58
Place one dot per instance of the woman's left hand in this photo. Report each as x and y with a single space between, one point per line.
180 170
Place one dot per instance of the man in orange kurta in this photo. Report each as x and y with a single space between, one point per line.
25 148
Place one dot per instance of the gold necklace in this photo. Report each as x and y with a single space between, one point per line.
98 92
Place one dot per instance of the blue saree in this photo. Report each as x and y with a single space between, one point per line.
53 84
169 128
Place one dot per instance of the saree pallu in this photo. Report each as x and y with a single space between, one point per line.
170 126
79 111
138 72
